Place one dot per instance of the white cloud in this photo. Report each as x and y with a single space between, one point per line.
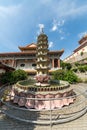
57 25
50 44
61 22
62 38
9 10
77 11
19 21
80 35
67 9
54 28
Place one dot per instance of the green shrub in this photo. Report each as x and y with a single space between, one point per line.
13 77
59 74
68 66
69 76
6 77
64 65
19 75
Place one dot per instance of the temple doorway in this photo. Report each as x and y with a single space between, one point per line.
55 63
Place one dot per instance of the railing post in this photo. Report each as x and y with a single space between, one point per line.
50 115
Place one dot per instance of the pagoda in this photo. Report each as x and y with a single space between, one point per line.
42 67
42 55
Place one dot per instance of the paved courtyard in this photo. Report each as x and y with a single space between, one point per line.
80 123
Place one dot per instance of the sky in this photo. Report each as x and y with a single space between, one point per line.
64 22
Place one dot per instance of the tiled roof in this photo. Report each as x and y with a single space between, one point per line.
60 52
31 46
80 47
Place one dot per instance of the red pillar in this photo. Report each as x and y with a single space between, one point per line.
52 63
12 62
58 63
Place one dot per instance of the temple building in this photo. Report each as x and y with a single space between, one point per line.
26 59
80 53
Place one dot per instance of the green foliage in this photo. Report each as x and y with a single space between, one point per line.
59 74
6 77
85 67
81 53
19 75
74 69
77 64
69 76
64 65
81 68
13 77
68 66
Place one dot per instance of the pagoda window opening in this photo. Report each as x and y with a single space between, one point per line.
43 72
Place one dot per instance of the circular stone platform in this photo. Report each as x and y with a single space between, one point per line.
45 116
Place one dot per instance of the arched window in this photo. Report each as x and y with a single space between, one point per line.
33 65
22 65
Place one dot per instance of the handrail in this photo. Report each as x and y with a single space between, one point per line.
55 121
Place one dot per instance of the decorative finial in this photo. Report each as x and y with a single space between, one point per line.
42 30
41 26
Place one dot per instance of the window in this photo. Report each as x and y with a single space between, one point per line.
33 65
22 65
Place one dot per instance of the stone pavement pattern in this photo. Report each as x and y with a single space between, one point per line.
80 123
